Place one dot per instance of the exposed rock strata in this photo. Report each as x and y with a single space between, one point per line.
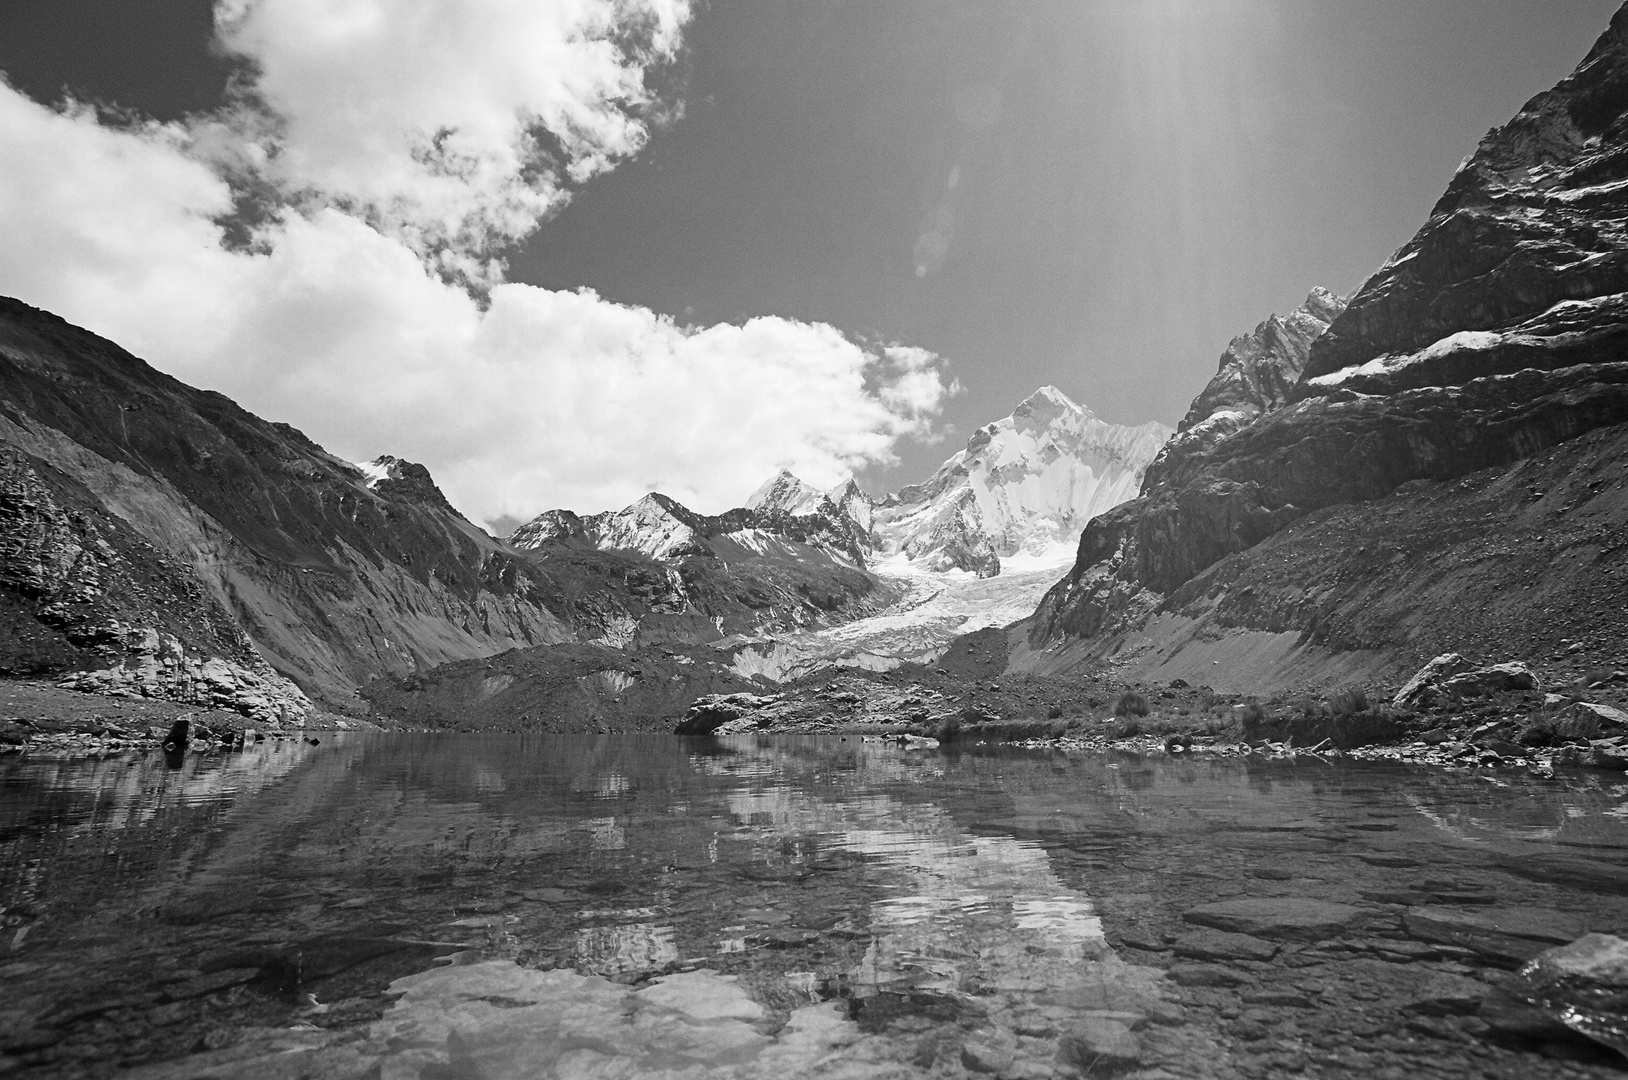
156 665
1493 336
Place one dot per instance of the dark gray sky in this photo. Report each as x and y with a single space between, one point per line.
1096 195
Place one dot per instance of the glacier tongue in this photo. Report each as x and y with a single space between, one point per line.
1012 503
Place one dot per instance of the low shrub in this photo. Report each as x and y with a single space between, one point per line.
1129 729
1131 703
1054 713
948 729
1350 702
1253 712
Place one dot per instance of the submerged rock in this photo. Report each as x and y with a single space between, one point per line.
1220 945
1509 936
1293 918
1098 1045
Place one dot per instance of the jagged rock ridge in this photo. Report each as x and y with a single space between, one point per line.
1258 372
1494 335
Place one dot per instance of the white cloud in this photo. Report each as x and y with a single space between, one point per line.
339 320
453 127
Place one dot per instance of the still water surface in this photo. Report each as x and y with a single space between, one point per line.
469 906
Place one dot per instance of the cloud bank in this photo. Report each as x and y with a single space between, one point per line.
394 149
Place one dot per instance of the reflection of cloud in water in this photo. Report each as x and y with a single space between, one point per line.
605 834
960 913
640 946
501 1022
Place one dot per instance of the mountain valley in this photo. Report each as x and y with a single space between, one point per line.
1432 464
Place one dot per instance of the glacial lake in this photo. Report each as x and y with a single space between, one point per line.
462 906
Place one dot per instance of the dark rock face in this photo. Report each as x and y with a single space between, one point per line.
1494 335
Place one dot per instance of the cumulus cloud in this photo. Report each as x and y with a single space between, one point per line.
404 146
452 127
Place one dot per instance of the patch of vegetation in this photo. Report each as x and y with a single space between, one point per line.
1131 703
1350 702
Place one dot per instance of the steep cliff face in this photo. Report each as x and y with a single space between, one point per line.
134 502
1494 335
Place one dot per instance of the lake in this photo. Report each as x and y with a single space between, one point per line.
441 906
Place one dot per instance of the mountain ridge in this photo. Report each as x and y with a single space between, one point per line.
1490 339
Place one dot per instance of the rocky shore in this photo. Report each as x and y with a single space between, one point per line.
42 717
1452 713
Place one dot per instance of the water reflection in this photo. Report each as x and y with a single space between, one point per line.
878 905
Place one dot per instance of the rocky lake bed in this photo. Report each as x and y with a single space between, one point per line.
412 903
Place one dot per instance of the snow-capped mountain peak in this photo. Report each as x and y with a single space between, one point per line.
1024 487
783 493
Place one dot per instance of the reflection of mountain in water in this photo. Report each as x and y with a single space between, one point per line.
949 900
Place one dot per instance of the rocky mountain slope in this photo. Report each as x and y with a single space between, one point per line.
182 547
1481 354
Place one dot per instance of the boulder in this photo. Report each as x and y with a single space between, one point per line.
1604 717
1422 685
1453 676
1291 918
1608 754
712 711
1497 679
1584 985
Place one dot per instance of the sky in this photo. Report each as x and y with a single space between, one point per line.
567 252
